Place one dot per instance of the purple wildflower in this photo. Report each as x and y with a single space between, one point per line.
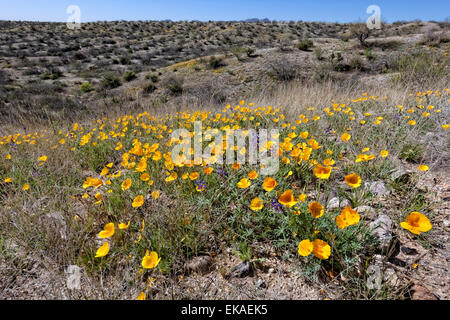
200 185
276 205
222 173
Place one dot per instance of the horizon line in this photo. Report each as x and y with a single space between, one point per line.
249 20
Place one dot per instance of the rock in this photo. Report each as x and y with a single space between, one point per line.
333 203
74 277
260 283
402 176
271 270
374 273
399 173
374 278
201 265
382 229
422 293
390 277
366 211
242 270
377 188
344 203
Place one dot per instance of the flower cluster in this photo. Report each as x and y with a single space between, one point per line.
137 170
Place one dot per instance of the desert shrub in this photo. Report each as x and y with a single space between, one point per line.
174 85
386 45
111 81
419 67
51 74
148 88
356 63
411 152
368 53
215 62
207 92
341 67
283 70
285 43
433 39
79 56
53 102
153 77
147 60
305 44
125 60
129 75
335 57
4 77
86 87
336 62
42 88
360 32
322 73
250 52
240 52
318 53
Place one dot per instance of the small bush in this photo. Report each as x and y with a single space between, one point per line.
86 87
387 45
411 153
356 63
341 67
360 32
4 77
124 60
434 38
369 54
79 56
283 70
129 75
111 81
419 67
175 85
149 88
322 73
153 77
318 53
215 63
51 74
241 52
305 44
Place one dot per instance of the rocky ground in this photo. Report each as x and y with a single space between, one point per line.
411 269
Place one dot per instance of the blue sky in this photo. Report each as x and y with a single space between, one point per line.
312 10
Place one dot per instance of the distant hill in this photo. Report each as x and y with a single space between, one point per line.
256 20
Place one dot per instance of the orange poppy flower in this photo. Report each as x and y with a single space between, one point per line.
316 209
416 222
269 184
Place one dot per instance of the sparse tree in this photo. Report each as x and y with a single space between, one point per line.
360 32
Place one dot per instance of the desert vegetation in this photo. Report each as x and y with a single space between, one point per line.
357 210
